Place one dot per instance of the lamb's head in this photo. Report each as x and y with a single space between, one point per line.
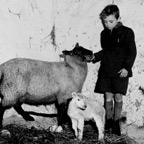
79 100
84 54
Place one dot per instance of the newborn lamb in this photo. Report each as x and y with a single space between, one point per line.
81 109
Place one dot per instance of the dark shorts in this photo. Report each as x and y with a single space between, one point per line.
113 85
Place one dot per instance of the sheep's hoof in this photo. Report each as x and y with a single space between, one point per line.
59 129
29 118
53 128
56 128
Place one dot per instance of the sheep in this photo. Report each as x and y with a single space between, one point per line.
82 109
36 82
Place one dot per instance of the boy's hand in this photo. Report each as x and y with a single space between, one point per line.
93 59
123 73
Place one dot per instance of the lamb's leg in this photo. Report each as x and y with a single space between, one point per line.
100 125
2 110
74 126
80 128
24 114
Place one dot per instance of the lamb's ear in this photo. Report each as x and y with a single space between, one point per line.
79 94
74 94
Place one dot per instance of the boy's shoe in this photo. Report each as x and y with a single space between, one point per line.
109 126
116 128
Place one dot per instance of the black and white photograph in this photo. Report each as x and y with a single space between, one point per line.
71 72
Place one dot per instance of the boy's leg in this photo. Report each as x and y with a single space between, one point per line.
108 104
117 113
119 86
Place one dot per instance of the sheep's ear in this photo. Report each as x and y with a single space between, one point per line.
74 94
62 56
77 44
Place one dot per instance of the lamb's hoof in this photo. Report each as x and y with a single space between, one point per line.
102 141
79 138
56 128
29 118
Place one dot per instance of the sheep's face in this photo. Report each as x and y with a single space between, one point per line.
79 101
84 54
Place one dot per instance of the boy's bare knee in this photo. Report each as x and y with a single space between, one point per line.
118 97
108 96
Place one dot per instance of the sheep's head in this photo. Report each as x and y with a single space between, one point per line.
79 100
84 54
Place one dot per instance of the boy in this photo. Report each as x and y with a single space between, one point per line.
117 58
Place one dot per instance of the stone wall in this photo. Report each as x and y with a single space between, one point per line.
42 29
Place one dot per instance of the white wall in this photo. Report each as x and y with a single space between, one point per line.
26 27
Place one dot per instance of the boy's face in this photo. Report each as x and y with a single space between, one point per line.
110 22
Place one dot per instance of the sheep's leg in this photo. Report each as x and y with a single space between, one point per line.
24 114
2 110
74 126
62 113
80 128
100 126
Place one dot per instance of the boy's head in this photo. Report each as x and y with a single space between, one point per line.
110 16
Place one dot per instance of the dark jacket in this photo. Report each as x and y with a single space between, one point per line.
118 51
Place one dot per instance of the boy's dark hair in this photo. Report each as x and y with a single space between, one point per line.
110 10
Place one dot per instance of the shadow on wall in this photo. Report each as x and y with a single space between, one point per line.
41 114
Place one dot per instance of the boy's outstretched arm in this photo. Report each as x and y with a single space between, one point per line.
97 56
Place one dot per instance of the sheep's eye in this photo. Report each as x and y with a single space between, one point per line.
78 99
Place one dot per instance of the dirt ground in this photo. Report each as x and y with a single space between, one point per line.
137 134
